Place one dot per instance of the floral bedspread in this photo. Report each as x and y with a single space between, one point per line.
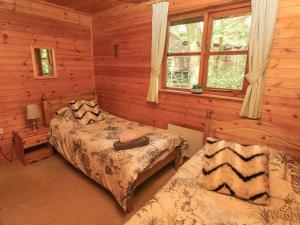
90 149
183 202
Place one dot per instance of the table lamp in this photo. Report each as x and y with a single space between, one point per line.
33 112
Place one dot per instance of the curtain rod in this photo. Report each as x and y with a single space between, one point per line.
155 2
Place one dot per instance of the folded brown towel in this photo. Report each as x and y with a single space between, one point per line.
143 141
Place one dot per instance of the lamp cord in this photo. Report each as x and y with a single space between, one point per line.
11 149
8 159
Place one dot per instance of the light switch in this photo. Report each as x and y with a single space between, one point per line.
1 130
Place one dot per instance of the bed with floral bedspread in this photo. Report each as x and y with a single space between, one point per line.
183 202
90 149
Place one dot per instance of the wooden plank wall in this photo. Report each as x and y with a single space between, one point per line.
282 86
122 82
23 23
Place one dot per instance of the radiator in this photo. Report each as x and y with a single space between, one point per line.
193 137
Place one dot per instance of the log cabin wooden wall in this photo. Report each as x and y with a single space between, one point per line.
23 23
122 81
281 104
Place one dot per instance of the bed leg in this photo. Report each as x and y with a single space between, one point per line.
178 157
130 205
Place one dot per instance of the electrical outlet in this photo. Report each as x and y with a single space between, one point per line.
1 130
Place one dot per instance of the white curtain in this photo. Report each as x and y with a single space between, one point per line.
264 13
159 29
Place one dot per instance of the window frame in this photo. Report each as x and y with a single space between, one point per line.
167 54
37 62
208 15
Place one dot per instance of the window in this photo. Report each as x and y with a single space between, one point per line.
184 49
43 62
210 50
228 51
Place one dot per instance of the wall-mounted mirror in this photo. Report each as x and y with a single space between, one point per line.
43 62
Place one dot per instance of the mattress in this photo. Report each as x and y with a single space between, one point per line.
90 149
183 201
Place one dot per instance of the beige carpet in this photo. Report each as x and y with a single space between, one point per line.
53 192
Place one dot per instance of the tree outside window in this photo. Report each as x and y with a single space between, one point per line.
44 62
210 50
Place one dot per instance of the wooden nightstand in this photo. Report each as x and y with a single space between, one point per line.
32 146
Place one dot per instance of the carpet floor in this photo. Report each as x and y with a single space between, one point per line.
52 191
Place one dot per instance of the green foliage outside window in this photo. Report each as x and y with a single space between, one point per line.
44 61
183 71
229 34
226 71
185 36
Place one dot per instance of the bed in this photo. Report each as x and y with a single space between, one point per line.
183 201
90 149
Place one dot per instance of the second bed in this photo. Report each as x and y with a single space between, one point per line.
90 149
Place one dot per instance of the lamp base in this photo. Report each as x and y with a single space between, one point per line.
34 126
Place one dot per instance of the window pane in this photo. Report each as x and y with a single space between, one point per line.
226 71
45 66
44 53
186 35
231 33
183 71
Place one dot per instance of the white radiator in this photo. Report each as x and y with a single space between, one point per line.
194 138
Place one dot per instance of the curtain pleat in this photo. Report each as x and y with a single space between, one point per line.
264 13
159 29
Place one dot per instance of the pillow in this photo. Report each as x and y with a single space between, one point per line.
86 112
66 113
237 170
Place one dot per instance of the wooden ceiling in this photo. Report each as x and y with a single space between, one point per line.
91 6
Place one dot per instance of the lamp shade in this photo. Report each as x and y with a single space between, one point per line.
33 112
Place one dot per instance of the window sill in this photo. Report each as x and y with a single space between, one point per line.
44 77
237 99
